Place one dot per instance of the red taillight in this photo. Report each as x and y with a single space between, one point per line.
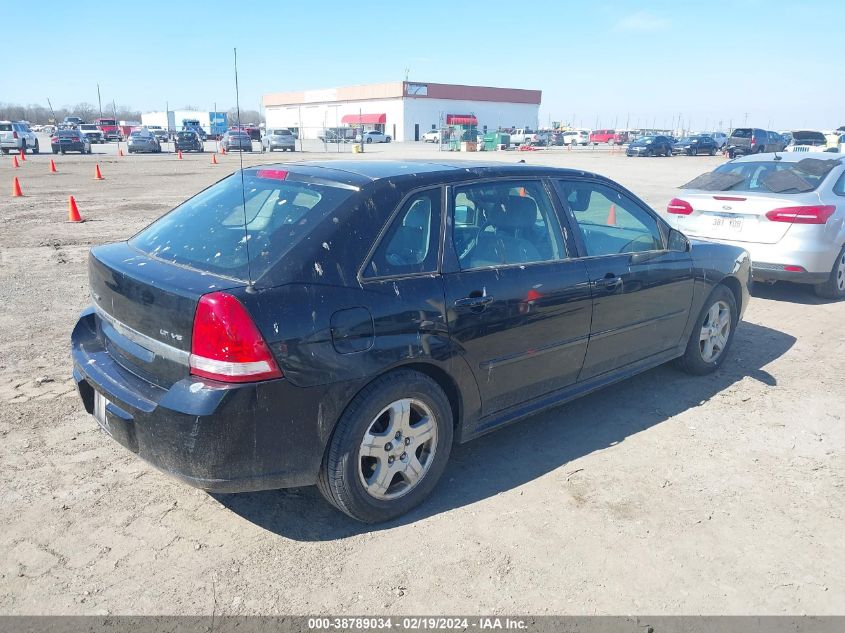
793 269
753 141
14 135
226 345
679 207
54 138
817 214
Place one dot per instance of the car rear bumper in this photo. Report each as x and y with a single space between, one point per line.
214 436
769 261
69 147
13 144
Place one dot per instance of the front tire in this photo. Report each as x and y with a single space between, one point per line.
389 448
712 334
834 287
35 148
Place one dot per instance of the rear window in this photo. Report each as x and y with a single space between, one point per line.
5 127
72 133
207 232
186 135
809 136
743 132
282 132
776 177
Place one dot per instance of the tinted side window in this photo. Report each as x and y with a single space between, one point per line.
411 243
504 223
610 223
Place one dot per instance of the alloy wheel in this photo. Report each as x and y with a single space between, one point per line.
715 332
840 273
397 449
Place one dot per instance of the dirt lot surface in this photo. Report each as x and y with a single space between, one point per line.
665 494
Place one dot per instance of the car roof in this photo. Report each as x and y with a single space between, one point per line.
362 172
788 157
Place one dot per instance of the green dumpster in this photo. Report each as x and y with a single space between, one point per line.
490 142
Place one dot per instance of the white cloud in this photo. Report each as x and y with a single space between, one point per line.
642 21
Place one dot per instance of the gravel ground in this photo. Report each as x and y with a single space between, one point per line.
665 494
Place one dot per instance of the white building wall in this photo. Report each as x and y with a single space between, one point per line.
312 118
428 113
402 115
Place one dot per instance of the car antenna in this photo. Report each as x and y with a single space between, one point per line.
250 286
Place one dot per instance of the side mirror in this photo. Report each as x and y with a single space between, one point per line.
679 242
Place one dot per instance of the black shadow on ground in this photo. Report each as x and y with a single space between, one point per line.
533 447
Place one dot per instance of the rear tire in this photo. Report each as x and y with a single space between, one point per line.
834 287
35 149
712 333
349 476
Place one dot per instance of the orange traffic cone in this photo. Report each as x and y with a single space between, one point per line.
73 211
15 162
23 156
611 217
97 174
120 152
214 159
180 154
16 188
53 169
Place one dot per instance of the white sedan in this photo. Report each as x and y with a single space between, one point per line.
373 136
432 136
787 210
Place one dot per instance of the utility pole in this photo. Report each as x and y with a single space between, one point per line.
99 101
746 119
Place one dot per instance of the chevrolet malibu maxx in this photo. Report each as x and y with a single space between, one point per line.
343 323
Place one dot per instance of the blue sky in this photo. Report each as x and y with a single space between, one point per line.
611 62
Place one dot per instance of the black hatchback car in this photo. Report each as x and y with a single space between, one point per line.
70 141
650 146
188 141
343 322
695 145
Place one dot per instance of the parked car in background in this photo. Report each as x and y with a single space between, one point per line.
159 132
747 140
611 137
720 138
142 141
576 137
525 136
70 140
48 129
70 122
695 145
650 146
278 138
187 141
807 141
776 143
373 136
220 333
92 132
786 210
432 136
236 140
16 136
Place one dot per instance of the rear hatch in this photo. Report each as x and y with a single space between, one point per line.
738 217
145 310
741 138
7 134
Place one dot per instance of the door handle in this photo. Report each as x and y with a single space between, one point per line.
473 302
608 283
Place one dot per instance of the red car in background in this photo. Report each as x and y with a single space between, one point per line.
611 137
